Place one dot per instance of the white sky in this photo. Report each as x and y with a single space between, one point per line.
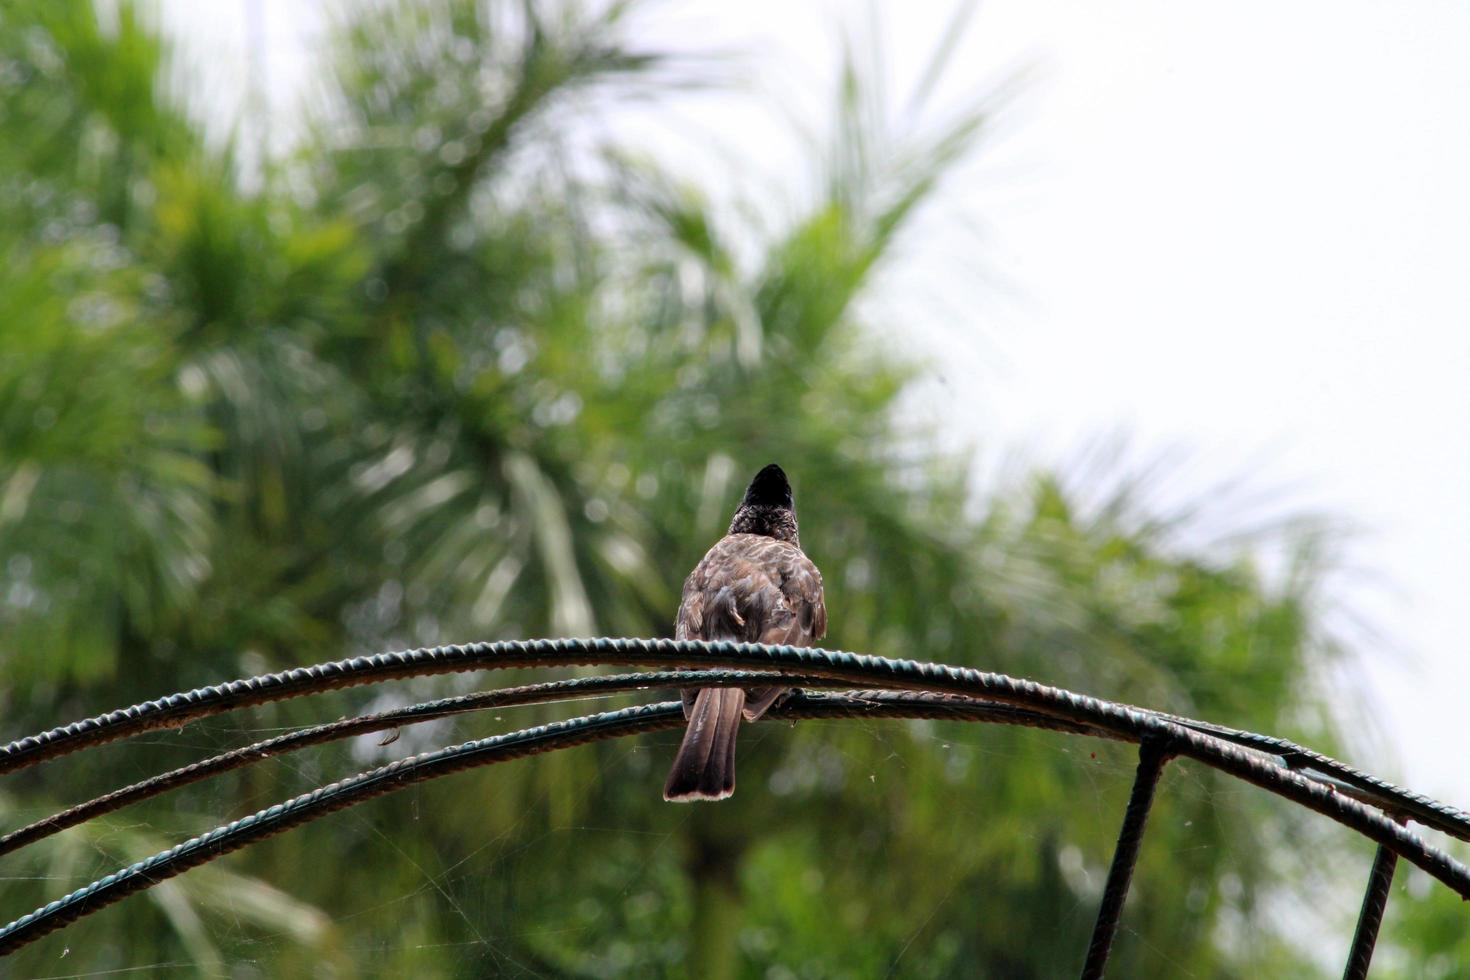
1242 229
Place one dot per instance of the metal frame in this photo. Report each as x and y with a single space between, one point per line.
1153 754
1370 806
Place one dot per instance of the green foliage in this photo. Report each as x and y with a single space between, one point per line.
457 369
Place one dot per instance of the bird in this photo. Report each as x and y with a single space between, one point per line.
755 585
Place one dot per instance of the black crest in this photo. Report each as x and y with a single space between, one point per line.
768 507
770 488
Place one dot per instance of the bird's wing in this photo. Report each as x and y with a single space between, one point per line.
712 607
755 589
689 623
795 613
799 617
801 585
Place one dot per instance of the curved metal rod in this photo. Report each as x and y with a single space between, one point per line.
178 709
327 799
1354 782
1370 916
488 751
1152 757
566 690
1173 739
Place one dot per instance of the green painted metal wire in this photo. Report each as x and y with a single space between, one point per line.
487 751
943 692
567 690
328 799
555 691
398 775
177 709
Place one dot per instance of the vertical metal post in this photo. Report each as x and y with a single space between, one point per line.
1371 916
1152 755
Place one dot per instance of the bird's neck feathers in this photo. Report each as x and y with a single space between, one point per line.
771 520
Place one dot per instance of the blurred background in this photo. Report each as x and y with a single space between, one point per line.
1122 349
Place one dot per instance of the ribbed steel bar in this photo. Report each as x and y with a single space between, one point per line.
177 709
1120 720
1354 782
407 772
971 709
328 799
1369 822
1153 755
1370 917
576 688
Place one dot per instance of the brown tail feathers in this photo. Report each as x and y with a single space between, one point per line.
704 769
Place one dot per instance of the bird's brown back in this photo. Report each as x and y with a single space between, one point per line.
756 589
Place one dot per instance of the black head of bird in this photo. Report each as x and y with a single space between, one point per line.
768 507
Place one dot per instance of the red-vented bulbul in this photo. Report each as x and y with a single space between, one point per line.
755 586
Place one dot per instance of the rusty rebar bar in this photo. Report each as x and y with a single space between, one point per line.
1370 917
1153 754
